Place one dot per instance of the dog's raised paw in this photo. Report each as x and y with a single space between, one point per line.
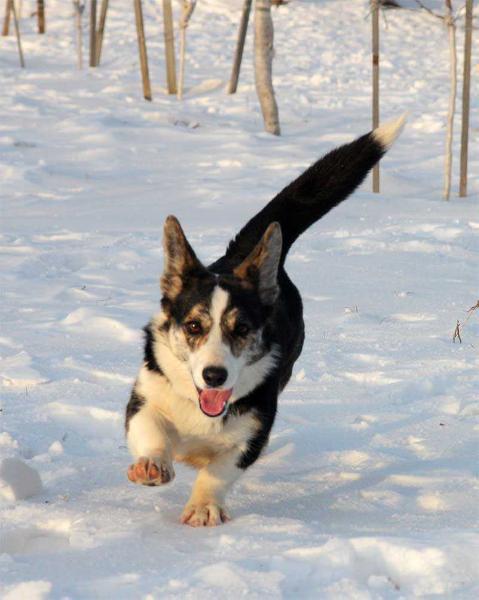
149 471
208 514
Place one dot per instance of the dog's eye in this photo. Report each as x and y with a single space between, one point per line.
242 329
193 327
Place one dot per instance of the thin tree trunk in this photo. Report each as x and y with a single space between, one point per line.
17 33
451 28
243 28
140 31
78 9
466 96
181 77
169 37
263 61
92 33
375 60
6 18
187 11
101 31
41 16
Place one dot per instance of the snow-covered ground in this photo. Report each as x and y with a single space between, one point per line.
368 488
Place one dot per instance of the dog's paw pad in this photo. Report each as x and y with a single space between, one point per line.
208 514
148 471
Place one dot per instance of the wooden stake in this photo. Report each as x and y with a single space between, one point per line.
140 30
451 28
41 16
263 65
101 31
17 33
375 59
92 33
186 12
169 36
78 8
243 28
6 18
466 98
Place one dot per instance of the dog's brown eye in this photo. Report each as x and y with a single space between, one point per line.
242 329
193 327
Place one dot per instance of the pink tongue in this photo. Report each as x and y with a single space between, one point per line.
213 402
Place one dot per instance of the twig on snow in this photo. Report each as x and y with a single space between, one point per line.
460 326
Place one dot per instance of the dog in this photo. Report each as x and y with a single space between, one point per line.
223 345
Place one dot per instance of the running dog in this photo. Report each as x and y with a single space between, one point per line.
223 345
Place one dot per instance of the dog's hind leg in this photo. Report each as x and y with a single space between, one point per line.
206 504
149 444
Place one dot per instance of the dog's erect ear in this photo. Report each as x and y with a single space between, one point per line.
179 258
261 266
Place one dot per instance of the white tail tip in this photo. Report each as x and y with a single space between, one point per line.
387 133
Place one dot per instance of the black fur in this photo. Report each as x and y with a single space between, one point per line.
324 185
150 360
134 405
198 285
320 188
314 193
263 401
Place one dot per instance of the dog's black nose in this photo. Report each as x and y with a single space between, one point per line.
215 376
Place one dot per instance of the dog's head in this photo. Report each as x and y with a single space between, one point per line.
215 324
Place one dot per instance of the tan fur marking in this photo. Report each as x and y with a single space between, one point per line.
171 285
238 344
200 313
230 318
198 458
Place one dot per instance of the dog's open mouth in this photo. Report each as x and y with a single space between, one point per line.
213 401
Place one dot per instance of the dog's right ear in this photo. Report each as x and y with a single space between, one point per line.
179 258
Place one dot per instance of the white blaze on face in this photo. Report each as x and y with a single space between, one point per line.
214 352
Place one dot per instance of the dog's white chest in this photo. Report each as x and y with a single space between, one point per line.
196 438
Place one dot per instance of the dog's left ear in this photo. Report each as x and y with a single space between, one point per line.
261 266
179 258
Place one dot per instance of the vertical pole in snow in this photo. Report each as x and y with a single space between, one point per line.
263 65
243 28
78 9
466 94
181 76
140 30
92 33
186 12
451 28
375 56
101 31
17 33
169 36
6 18
41 16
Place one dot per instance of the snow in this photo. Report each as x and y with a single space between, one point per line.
369 486
18 480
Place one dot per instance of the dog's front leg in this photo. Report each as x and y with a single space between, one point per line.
150 445
206 504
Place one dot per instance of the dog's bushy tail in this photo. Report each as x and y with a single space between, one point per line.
325 184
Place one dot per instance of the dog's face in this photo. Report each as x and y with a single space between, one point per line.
214 323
